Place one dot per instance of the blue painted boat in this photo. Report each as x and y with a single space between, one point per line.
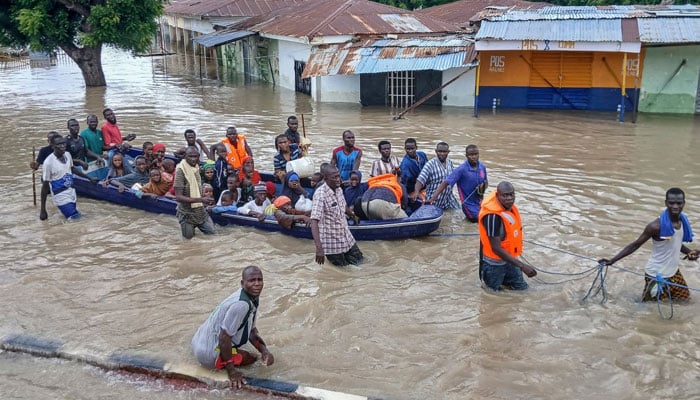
422 222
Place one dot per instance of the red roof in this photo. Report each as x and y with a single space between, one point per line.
344 17
227 8
463 11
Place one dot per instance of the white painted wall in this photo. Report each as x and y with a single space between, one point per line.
336 89
461 92
288 53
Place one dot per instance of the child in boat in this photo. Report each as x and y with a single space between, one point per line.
233 186
256 207
148 152
228 203
220 168
117 167
355 189
156 186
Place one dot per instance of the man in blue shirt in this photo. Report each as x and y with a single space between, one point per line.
471 181
411 164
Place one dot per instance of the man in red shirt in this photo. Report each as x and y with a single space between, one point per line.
111 135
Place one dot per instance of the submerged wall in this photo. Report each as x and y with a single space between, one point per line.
670 87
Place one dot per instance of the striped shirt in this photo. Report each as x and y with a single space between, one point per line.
381 167
431 176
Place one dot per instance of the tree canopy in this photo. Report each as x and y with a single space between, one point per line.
80 28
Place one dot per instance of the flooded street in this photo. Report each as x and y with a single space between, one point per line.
410 323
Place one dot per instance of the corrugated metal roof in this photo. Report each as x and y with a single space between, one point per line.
385 55
592 12
669 30
602 30
463 11
219 38
344 17
226 8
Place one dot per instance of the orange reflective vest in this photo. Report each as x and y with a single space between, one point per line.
388 181
235 155
513 226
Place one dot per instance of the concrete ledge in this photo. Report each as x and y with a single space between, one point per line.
156 367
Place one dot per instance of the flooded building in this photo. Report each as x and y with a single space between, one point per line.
360 51
608 58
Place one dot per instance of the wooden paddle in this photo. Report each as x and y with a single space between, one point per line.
34 175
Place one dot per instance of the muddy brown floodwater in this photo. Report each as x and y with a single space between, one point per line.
412 322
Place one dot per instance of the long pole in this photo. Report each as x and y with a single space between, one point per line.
303 126
34 175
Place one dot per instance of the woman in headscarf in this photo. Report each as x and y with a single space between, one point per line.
156 186
356 188
292 188
208 177
286 215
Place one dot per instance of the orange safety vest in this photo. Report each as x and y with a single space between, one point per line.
513 225
235 155
388 181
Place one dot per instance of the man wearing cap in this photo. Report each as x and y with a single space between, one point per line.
217 342
329 225
256 207
191 212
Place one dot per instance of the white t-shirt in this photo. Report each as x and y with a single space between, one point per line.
60 178
251 206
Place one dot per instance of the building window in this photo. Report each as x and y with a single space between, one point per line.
301 85
400 89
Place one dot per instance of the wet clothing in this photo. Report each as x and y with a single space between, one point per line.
236 316
431 176
678 293
467 179
664 261
410 169
345 162
497 222
191 216
60 178
329 210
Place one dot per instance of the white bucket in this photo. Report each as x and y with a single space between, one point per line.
304 167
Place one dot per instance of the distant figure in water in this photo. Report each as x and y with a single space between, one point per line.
218 341
668 232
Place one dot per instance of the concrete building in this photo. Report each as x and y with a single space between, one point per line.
361 51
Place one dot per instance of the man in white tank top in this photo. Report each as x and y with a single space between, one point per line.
668 232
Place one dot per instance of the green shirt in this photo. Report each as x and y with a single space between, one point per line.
93 141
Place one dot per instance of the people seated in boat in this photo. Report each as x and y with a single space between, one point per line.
227 203
347 157
232 186
286 151
168 171
384 198
159 154
256 207
148 154
180 153
117 166
156 186
297 194
236 147
387 162
191 139
292 132
208 171
354 191
93 137
248 172
286 215
112 135
140 175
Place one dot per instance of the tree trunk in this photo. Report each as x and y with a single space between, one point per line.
89 60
